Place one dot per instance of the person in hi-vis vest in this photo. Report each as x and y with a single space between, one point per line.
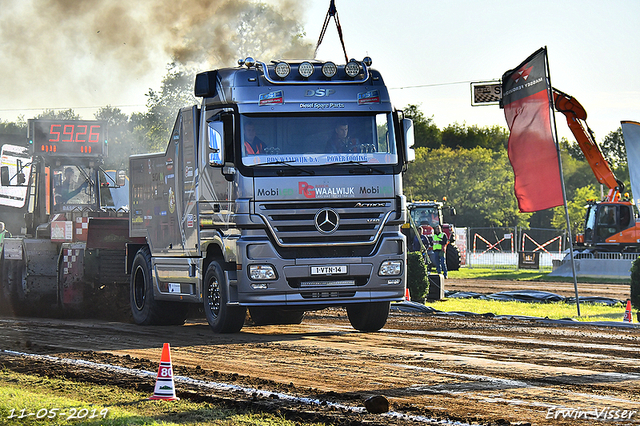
440 242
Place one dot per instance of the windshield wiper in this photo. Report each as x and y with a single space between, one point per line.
299 169
364 167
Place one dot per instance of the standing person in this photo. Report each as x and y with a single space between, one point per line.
440 242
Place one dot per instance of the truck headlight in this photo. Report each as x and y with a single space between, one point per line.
390 267
262 272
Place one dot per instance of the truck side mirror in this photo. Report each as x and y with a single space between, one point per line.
215 143
4 175
121 178
409 139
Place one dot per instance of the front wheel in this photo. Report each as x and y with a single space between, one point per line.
371 316
222 317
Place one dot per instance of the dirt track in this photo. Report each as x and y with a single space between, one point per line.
469 369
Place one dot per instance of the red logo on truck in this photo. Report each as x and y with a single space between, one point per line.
307 190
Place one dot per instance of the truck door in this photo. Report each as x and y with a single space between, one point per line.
188 191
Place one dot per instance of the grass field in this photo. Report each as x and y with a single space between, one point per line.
34 400
588 312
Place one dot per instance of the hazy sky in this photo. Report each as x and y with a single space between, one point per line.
427 51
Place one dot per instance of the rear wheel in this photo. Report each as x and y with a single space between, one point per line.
144 308
275 316
371 316
222 317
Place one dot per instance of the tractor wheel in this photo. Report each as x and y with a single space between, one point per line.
12 289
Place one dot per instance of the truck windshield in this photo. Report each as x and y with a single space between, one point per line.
318 140
423 216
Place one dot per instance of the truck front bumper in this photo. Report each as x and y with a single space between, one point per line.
321 281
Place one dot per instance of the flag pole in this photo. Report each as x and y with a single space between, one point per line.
564 193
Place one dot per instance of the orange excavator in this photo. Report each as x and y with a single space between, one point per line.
610 224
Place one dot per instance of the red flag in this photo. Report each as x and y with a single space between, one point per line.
532 149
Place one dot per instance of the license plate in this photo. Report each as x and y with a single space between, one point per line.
329 270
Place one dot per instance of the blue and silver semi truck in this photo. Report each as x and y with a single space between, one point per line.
280 193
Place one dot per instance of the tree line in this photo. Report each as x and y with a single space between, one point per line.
466 165
469 167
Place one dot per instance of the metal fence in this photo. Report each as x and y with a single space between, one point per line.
511 248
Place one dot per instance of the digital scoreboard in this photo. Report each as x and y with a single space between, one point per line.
68 137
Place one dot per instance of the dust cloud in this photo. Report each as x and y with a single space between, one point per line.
72 53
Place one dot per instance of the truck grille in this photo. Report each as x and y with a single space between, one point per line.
327 223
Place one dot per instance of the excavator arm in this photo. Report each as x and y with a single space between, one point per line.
576 116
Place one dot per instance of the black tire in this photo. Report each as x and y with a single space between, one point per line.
453 258
371 316
275 316
144 308
222 317
12 290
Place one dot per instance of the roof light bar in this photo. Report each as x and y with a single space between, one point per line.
358 72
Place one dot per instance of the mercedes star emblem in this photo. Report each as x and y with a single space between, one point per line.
327 221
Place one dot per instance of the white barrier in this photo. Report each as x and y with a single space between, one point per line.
497 260
606 265
596 268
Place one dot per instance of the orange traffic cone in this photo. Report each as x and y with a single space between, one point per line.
165 388
627 313
407 297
